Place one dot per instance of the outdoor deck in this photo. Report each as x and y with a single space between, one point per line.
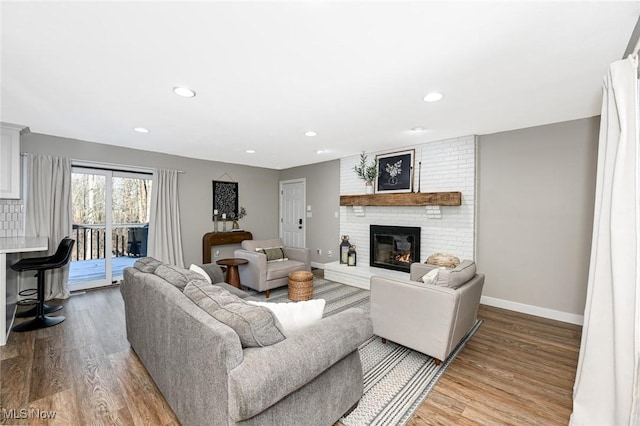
93 269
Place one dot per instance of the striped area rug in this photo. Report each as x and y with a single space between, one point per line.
339 297
397 380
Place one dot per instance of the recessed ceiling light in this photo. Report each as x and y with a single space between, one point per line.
311 133
250 151
418 130
320 151
433 97
141 129
184 92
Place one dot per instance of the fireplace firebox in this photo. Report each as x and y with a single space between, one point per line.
394 247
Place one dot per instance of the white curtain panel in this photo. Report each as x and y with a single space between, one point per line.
48 212
606 387
165 239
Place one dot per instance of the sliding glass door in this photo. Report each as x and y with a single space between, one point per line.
110 224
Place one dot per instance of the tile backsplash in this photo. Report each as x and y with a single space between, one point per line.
11 218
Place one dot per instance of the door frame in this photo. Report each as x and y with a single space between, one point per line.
109 172
108 205
303 215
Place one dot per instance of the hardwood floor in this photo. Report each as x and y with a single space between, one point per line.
517 369
83 369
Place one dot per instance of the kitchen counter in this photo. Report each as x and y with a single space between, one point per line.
23 244
10 248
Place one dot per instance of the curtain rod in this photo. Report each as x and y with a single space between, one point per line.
119 167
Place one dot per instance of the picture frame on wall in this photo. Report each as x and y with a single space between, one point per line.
395 172
225 199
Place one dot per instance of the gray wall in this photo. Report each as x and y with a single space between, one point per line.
323 195
536 190
258 187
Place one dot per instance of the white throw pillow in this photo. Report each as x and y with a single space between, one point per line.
297 315
196 268
430 277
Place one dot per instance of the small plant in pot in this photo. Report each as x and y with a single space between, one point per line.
242 213
366 172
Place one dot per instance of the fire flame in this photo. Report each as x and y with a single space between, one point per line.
405 258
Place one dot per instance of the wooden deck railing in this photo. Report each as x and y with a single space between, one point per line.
127 239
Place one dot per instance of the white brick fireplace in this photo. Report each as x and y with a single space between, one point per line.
447 165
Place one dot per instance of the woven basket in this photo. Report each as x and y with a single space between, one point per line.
443 259
300 286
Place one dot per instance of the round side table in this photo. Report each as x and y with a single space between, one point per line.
233 276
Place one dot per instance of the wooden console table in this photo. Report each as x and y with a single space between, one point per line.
211 239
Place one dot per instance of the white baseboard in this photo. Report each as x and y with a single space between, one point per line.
360 277
533 310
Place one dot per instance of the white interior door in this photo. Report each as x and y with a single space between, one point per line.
292 212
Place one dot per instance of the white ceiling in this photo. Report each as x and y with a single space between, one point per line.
267 72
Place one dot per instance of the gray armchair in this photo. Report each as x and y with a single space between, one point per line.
261 275
424 317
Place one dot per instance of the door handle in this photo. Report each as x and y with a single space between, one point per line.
300 223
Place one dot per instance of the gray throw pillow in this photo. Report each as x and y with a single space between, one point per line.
454 278
209 297
255 325
274 254
177 276
147 264
214 272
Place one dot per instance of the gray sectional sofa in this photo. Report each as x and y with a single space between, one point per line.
312 377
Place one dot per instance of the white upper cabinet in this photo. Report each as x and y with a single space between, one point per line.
10 161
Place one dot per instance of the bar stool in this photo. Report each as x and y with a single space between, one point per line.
42 264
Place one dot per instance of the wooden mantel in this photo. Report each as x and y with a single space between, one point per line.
404 199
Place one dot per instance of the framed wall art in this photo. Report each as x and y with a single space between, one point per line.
225 198
395 172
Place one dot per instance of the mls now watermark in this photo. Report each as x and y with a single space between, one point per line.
28 413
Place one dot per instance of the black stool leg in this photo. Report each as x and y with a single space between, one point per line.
34 311
40 321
